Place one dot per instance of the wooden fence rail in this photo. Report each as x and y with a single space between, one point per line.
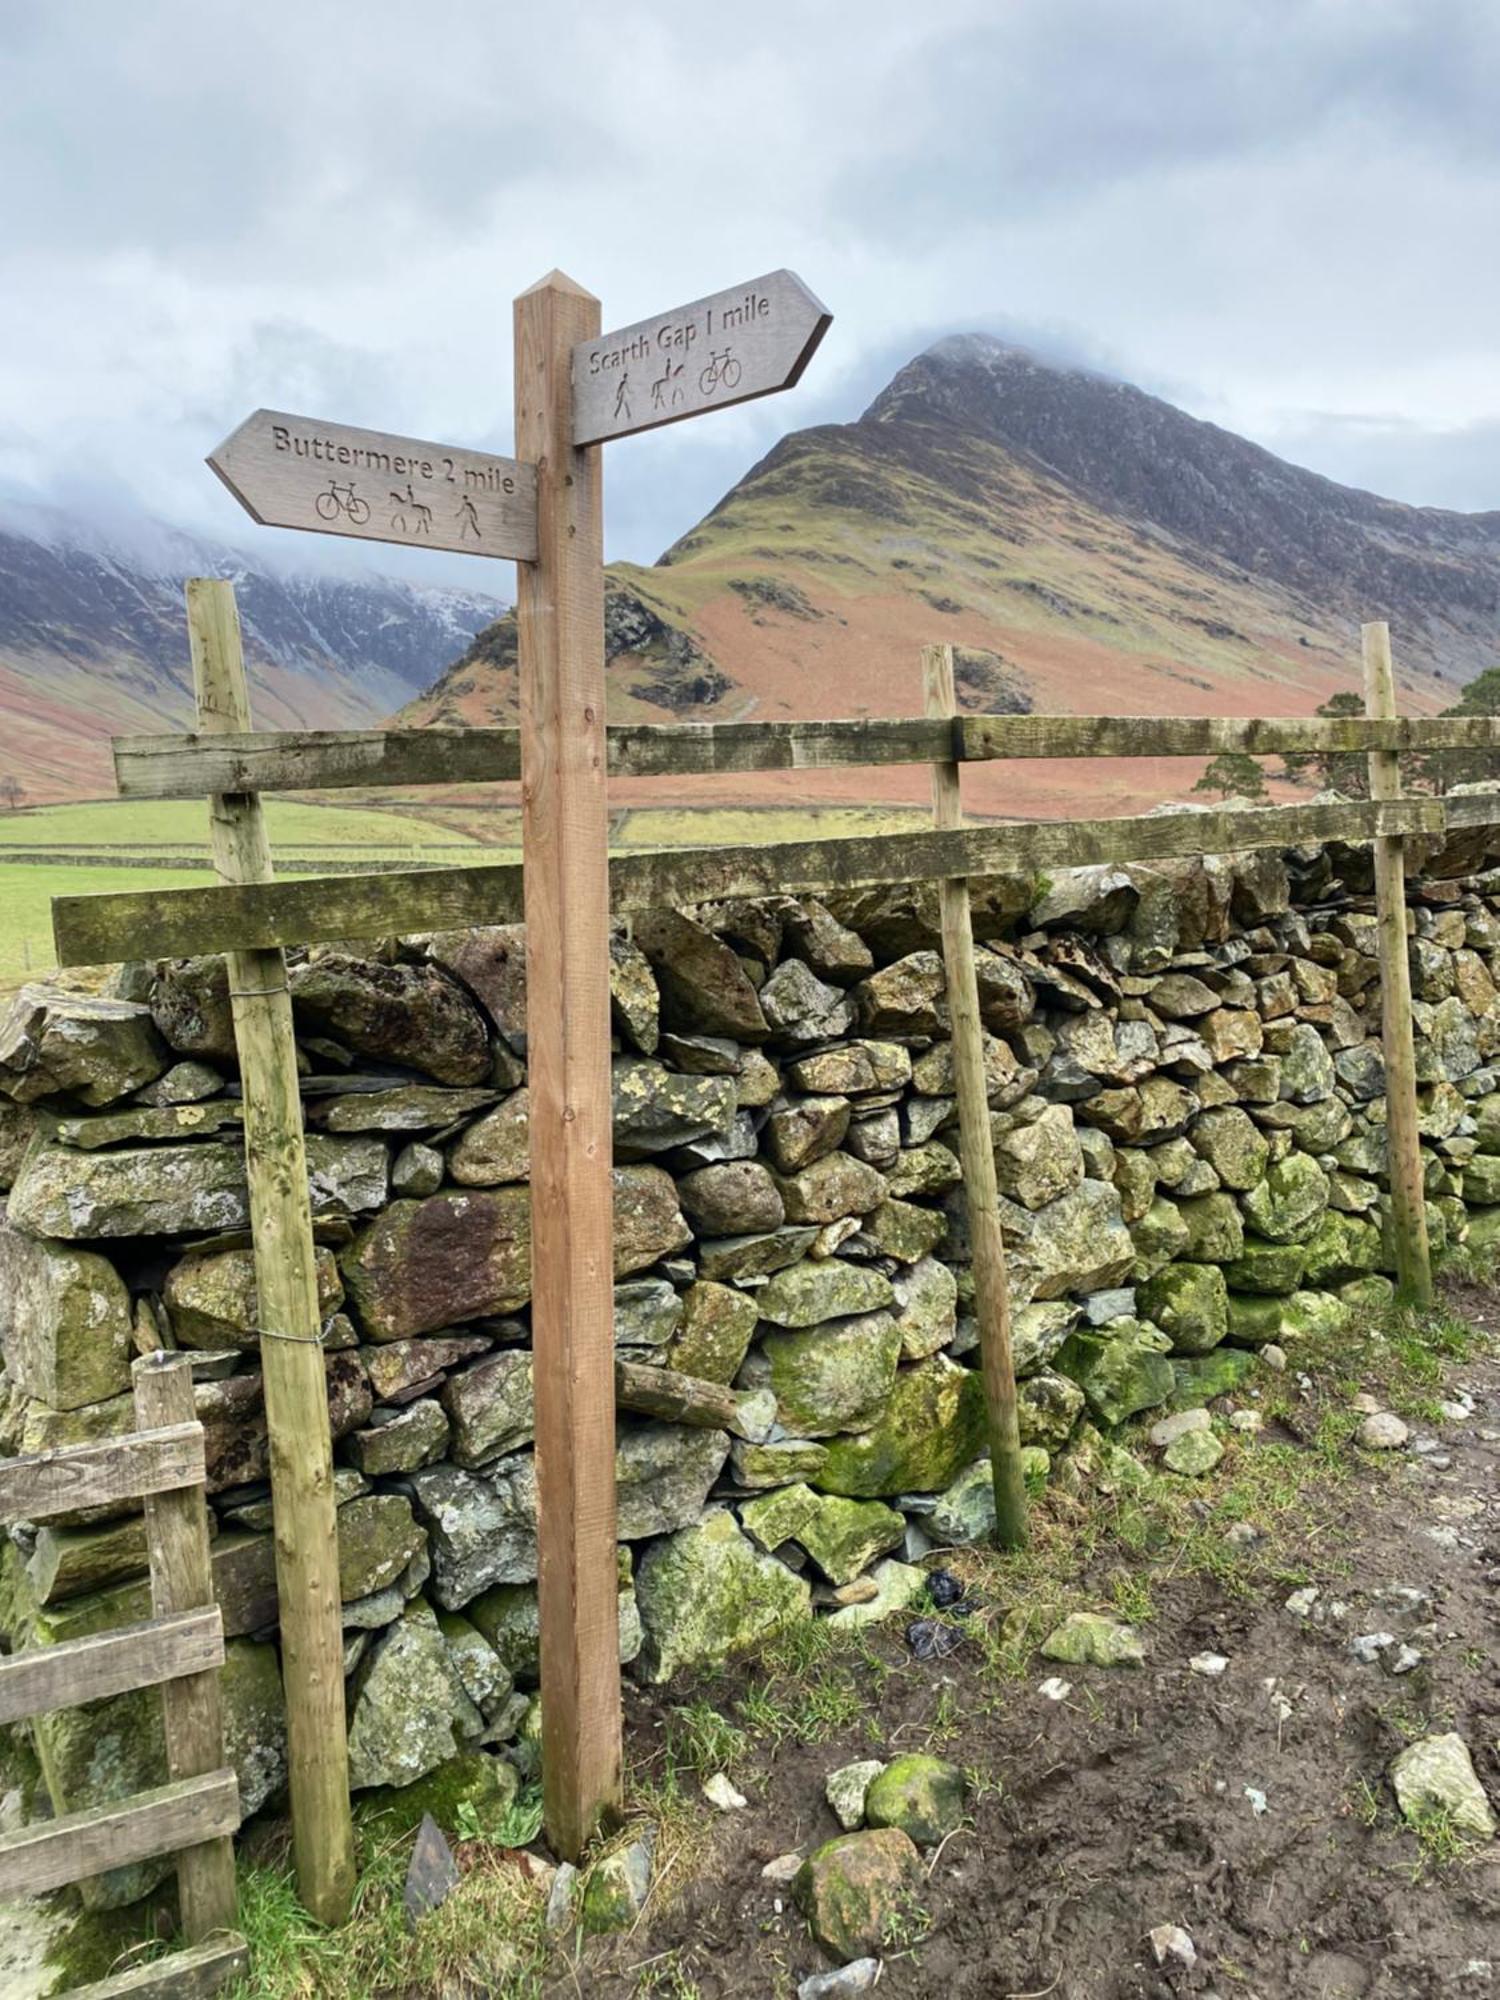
187 767
102 930
180 1650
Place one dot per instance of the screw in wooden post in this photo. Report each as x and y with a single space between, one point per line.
1403 1138
976 1149
565 837
296 1393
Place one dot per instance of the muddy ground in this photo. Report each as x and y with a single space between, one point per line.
1127 1805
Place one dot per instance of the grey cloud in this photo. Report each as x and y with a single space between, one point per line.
1043 103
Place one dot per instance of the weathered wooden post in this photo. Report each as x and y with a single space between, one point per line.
565 833
1403 1141
291 1351
182 1580
976 1148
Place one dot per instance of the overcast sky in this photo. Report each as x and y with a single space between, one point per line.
1281 214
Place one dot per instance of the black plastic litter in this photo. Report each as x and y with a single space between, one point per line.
931 1640
944 1588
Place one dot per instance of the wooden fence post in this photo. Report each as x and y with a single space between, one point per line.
565 833
182 1580
976 1148
291 1353
1403 1141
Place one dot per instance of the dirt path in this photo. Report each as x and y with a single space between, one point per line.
1130 1803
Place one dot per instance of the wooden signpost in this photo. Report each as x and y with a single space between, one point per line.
740 344
331 479
574 389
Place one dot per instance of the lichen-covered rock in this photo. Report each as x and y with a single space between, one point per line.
634 1003
1089 1639
924 1796
65 1321
833 1187
1273 1268
734 1198
482 1530
1341 1246
191 1009
1158 1236
965 1512
829 1378
1215 1231
1190 1303
926 1295
1307 1073
1201 1377
616 1890
496 1149
1038 1162
411 1014
662 1476
1121 1369
426 1264
801 1008
1436 1775
855 1891
805 1129
907 998
656 1109
1078 1243
213 1303
408 1709
490 1407
716 1324
852 1069
703 986
1048 1406
903 1230
180 1190
1287 1206
1193 1454
732 1258
404 1107
705 1594
932 1423
377 1539
399 1440
649 1224
490 963
54 1043
1232 1144
842 1536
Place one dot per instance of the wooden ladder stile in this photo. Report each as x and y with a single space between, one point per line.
179 1649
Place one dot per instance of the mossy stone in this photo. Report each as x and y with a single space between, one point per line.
1271 1268
932 1424
1190 1303
923 1796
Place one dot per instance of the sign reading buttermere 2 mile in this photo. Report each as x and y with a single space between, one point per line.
747 342
297 472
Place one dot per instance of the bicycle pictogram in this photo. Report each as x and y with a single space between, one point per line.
342 500
722 368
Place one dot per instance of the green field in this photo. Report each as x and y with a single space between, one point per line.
107 846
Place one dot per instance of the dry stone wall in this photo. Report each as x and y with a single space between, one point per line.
1186 1092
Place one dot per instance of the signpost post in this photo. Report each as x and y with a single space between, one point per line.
575 389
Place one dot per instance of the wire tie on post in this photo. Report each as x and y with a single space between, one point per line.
296 1339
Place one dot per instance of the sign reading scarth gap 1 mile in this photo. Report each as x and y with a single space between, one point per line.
298 472
747 342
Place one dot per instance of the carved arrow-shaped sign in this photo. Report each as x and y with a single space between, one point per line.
747 342
297 472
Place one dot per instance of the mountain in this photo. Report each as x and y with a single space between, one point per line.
1086 547
93 644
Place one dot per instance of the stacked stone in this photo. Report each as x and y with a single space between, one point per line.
1187 1108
